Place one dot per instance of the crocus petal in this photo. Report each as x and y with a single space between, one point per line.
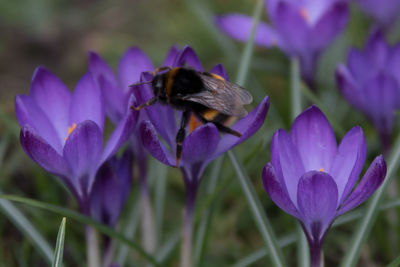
29 113
349 88
53 97
314 138
239 26
384 11
131 65
153 145
220 70
359 66
331 23
287 162
292 28
317 202
42 153
171 55
98 67
82 152
246 126
394 62
377 50
114 99
277 192
383 93
87 102
111 188
372 179
198 148
187 57
349 161
122 132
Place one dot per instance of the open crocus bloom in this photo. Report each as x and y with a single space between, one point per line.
371 82
313 179
302 29
63 131
203 143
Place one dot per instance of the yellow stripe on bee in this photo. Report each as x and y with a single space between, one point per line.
216 76
170 81
210 114
193 123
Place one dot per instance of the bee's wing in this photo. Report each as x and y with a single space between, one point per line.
223 96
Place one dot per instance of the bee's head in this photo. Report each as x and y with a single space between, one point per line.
158 85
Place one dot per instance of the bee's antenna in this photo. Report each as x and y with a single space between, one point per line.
136 84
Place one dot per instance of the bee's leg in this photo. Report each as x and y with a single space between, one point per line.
220 126
146 104
225 129
180 136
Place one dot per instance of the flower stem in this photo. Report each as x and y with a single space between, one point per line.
365 224
187 227
316 255
295 87
92 247
302 248
148 234
258 213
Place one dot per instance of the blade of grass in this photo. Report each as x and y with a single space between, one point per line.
59 251
85 220
258 213
20 221
364 226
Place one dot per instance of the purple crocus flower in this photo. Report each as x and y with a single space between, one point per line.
314 180
116 89
302 29
371 82
384 12
63 131
202 144
111 188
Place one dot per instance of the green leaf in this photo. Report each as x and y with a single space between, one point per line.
258 213
23 224
85 220
58 253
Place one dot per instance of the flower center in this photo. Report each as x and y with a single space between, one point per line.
321 170
193 123
70 130
305 14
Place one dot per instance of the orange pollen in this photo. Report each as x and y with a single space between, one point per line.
70 130
193 123
305 14
321 170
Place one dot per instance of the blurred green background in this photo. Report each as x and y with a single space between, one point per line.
58 35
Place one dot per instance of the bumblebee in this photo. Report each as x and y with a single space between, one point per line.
207 96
